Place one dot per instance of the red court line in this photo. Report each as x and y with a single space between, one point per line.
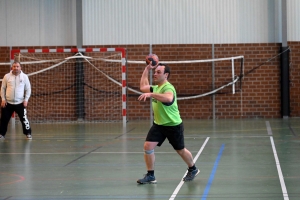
21 178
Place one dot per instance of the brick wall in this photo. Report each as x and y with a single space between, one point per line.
4 58
259 96
260 89
295 78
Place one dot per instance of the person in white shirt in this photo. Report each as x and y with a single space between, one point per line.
15 93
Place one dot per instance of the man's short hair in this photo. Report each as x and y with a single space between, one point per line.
17 62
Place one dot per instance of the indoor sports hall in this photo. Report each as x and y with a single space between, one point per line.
235 67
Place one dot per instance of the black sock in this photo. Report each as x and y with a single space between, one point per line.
151 172
193 167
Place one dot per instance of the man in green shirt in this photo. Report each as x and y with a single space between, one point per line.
167 121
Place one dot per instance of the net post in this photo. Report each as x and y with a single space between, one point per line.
213 82
242 72
241 77
124 86
233 85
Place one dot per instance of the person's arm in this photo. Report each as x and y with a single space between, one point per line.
3 92
27 91
144 82
166 97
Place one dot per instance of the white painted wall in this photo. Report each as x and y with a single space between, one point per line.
37 22
293 18
117 22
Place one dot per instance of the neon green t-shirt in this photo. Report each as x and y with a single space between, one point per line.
166 114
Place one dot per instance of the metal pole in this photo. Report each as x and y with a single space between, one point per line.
213 82
150 81
79 67
79 27
284 62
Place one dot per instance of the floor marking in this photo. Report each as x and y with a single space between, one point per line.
182 182
231 136
283 187
21 178
125 133
269 128
82 156
292 130
213 172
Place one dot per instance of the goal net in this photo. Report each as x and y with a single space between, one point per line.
205 88
205 77
75 85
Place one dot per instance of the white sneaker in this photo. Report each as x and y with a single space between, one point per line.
29 137
2 137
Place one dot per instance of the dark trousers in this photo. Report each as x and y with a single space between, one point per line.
6 114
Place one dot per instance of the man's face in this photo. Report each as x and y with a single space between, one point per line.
159 75
16 68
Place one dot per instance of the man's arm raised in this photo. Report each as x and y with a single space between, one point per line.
144 83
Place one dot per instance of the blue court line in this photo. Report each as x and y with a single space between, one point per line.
212 174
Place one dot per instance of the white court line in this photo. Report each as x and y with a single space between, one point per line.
269 128
182 182
283 187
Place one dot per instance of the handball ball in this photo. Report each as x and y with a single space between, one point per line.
153 58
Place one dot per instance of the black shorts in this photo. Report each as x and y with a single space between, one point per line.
159 133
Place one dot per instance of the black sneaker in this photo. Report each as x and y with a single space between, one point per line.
2 137
148 179
191 174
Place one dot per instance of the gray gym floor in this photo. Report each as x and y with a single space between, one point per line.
239 159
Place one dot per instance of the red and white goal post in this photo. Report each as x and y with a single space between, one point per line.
75 85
